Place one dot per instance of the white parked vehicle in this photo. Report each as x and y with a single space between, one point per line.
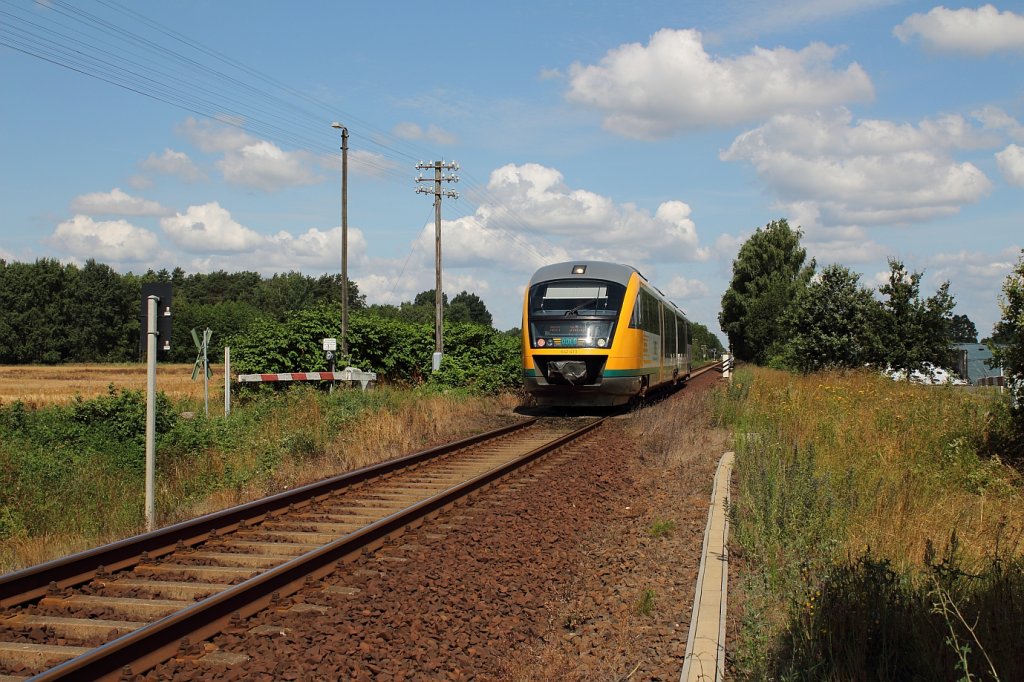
929 375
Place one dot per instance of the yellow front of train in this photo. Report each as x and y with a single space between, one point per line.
578 346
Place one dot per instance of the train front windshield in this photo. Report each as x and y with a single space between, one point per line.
574 313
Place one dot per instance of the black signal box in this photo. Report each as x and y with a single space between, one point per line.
162 290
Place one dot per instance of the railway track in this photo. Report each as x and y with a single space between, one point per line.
121 609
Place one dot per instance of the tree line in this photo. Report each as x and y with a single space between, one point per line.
778 311
51 312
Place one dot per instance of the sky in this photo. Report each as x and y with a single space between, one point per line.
658 134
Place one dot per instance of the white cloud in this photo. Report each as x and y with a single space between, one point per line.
313 249
973 31
112 240
403 281
380 288
248 161
976 267
830 243
672 84
173 163
977 278
265 166
213 137
210 228
1011 164
681 289
413 131
115 202
995 119
868 172
552 221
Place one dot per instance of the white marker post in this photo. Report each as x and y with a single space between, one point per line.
151 335
227 380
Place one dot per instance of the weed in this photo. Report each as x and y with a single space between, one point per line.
661 528
645 604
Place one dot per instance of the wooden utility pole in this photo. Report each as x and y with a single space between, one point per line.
439 177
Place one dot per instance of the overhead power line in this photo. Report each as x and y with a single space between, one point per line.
141 55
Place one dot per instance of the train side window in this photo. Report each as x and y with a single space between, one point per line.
651 317
670 334
637 318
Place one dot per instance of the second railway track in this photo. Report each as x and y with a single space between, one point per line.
128 606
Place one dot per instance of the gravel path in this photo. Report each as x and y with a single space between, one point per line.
556 577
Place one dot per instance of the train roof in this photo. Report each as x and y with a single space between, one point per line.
591 269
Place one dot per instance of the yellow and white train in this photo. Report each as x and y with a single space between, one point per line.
599 334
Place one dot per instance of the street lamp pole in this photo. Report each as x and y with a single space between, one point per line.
344 238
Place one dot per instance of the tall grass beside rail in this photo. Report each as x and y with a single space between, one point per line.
72 476
878 543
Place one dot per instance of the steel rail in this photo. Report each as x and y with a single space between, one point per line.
138 651
31 583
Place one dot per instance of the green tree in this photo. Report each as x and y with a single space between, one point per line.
834 323
1010 329
428 298
226 319
767 274
287 292
467 307
103 313
219 286
32 300
962 329
62 313
704 343
914 331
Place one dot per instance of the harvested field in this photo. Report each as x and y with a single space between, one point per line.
38 385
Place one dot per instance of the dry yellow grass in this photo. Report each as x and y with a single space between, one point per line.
910 451
373 438
39 385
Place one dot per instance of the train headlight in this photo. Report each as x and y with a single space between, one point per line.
601 343
541 343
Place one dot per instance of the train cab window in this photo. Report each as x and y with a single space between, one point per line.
576 298
574 313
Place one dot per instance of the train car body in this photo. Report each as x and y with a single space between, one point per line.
599 334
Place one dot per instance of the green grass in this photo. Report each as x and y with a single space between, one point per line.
661 528
645 603
72 476
847 484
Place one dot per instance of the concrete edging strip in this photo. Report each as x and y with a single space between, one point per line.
705 644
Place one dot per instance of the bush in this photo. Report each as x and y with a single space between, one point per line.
475 356
122 412
479 358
